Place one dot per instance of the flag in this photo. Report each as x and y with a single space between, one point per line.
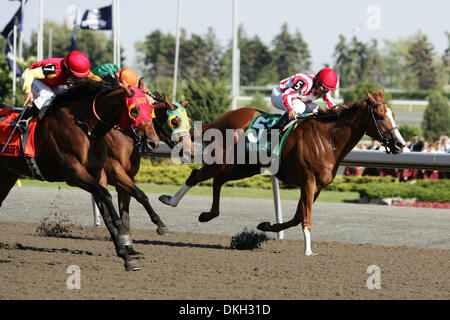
97 19
8 33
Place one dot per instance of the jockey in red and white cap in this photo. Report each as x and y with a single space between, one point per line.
296 93
46 79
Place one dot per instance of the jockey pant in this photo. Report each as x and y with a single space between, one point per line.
44 94
296 104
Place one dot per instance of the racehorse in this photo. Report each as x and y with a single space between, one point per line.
309 158
70 146
124 159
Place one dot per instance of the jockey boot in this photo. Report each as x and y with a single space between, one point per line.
282 123
30 112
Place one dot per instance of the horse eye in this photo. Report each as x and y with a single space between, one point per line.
379 117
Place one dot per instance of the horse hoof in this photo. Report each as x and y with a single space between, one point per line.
310 254
206 216
163 231
264 226
125 240
131 265
166 199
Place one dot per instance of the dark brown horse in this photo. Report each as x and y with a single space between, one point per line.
70 146
309 158
124 159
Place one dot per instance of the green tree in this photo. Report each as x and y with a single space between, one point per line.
395 56
198 57
356 62
290 53
446 60
407 131
207 99
422 63
358 92
436 118
255 60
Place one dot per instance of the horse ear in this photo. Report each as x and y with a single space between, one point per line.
371 98
184 103
170 106
128 92
381 93
141 84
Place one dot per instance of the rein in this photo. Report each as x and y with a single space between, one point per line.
133 135
384 140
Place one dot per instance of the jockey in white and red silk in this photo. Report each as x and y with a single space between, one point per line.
296 93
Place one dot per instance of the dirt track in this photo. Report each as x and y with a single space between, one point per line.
200 266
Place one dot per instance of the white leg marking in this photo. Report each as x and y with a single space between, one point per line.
307 239
179 195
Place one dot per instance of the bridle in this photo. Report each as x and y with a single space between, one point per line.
137 139
384 140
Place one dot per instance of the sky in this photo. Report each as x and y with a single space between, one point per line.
319 22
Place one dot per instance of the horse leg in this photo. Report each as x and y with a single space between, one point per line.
126 187
6 183
310 192
81 178
196 176
207 216
123 199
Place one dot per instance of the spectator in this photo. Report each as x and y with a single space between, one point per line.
445 141
440 148
416 145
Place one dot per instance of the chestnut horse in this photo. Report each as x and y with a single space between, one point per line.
309 158
124 159
70 146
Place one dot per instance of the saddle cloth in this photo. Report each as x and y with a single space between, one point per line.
14 148
258 137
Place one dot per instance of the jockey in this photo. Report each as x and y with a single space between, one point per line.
296 94
45 79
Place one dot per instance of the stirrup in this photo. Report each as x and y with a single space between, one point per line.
22 125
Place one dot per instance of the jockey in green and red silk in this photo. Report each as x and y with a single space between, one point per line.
46 79
296 94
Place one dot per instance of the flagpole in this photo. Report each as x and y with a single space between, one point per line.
114 32
119 63
50 43
235 59
40 44
14 64
21 31
177 52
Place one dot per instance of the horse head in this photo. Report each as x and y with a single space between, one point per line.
172 122
137 120
381 123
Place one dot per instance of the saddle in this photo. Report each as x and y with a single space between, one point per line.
19 145
259 136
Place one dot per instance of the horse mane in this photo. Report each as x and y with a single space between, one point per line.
159 97
85 88
340 111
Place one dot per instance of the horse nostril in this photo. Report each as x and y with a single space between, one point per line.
400 145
